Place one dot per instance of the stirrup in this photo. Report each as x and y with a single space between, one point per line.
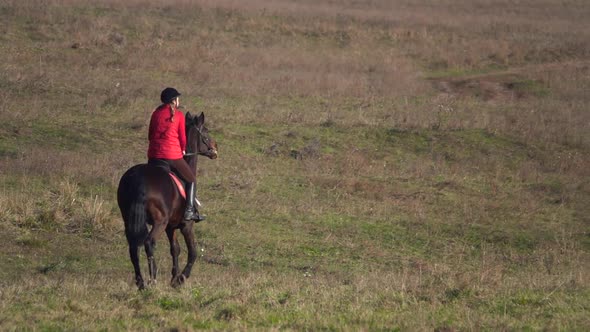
193 215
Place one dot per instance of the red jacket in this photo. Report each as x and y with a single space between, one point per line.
167 139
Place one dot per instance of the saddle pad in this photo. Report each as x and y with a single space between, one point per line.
179 185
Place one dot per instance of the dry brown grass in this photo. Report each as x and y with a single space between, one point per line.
383 164
372 55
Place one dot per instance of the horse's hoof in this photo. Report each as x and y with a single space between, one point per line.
140 284
178 280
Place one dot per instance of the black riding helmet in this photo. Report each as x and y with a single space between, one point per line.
168 95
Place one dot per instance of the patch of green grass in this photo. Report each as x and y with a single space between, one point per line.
8 149
205 324
230 312
31 241
503 237
529 86
416 142
523 304
169 303
458 72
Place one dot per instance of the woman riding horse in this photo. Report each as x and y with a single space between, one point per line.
167 139
147 194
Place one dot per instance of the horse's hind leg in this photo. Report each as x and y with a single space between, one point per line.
134 254
150 245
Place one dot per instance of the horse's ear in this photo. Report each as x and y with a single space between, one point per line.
201 119
188 117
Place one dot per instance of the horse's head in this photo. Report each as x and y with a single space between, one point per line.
198 140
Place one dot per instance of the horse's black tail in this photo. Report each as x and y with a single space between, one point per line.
131 197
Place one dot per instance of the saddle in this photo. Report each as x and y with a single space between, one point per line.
176 179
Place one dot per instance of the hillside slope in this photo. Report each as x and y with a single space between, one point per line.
381 167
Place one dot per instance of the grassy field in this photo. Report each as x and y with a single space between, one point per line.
384 165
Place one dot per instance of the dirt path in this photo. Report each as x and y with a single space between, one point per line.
514 83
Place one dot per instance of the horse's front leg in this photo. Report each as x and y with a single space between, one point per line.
189 238
174 252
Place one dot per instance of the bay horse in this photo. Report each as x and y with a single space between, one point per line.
147 196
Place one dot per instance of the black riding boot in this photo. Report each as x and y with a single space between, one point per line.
191 213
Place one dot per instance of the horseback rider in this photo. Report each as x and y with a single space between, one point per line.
167 143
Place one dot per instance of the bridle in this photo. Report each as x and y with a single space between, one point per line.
204 140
